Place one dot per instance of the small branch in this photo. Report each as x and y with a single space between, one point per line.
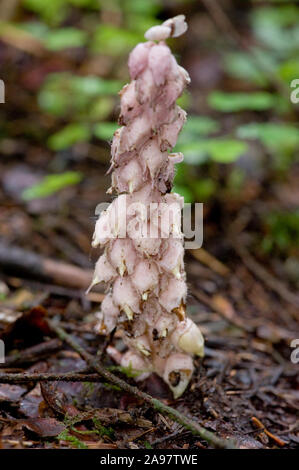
175 415
67 377
209 260
213 305
33 353
108 340
22 40
15 260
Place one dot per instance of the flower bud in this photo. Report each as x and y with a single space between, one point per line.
103 230
145 278
170 132
163 326
187 337
159 61
108 316
177 25
173 295
141 229
123 256
136 363
157 33
128 178
125 297
103 272
138 60
152 158
172 260
177 373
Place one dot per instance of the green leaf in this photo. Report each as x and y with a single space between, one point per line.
276 136
143 7
102 430
51 184
93 4
242 65
105 130
232 102
68 136
64 94
101 108
277 27
66 436
114 41
226 150
282 140
204 189
183 191
147 445
195 151
289 70
282 231
93 86
35 28
63 38
52 11
182 173
197 126
235 180
221 150
185 100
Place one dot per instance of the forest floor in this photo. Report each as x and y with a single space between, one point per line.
245 388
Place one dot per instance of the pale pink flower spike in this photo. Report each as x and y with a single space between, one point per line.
145 276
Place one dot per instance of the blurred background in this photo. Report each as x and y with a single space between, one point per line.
63 63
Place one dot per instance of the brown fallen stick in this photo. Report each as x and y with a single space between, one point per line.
259 425
174 414
20 262
209 260
214 306
21 40
29 355
22 378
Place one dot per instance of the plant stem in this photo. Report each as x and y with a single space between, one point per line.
67 377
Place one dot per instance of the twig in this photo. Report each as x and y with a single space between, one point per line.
22 40
175 415
209 260
260 272
66 377
108 340
31 354
17 260
233 320
259 425
177 433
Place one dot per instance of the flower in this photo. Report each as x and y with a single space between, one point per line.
143 259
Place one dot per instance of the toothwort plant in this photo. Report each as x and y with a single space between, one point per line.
142 263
